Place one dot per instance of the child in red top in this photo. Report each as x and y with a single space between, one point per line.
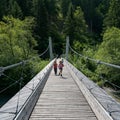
55 67
60 67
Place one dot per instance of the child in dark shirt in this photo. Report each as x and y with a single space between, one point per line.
55 67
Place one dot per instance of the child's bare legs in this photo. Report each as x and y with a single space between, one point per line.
60 73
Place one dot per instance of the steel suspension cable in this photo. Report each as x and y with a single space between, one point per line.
94 60
112 84
2 69
98 62
12 84
20 85
9 86
44 52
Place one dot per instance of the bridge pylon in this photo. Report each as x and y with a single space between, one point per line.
50 48
67 47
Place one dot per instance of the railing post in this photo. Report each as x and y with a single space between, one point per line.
67 47
50 48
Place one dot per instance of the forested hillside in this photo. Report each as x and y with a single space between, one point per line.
93 27
81 20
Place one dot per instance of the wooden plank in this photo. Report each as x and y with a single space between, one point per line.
62 99
94 118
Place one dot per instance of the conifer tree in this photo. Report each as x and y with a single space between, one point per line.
3 8
69 27
14 9
26 7
65 7
80 25
75 25
113 15
42 28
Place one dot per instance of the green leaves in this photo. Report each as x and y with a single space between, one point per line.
14 9
75 25
109 51
110 47
15 39
16 45
113 17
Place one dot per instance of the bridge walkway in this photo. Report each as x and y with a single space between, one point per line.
62 99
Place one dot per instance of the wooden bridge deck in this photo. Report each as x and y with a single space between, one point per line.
62 99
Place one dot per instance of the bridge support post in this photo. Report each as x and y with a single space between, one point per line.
67 47
50 48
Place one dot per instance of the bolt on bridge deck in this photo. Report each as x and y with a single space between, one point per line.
61 99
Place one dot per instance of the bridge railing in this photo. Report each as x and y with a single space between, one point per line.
103 105
28 96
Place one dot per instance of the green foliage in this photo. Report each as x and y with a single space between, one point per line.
57 41
3 8
65 7
80 25
78 46
47 24
69 23
89 9
37 64
26 72
101 83
16 44
109 51
84 65
14 9
113 17
26 7
51 13
75 25
16 40
52 9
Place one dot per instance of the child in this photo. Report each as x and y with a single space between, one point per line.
55 67
60 67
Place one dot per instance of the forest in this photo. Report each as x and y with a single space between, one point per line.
93 27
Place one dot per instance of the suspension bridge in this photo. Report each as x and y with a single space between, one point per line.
69 97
